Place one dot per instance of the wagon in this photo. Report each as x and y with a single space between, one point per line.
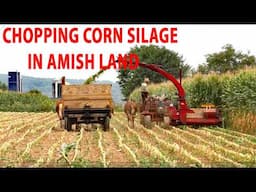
88 104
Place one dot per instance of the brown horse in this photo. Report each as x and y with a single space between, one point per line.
59 102
59 108
130 109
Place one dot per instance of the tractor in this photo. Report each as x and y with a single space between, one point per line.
162 110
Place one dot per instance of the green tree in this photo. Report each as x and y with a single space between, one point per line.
170 61
3 86
35 91
226 60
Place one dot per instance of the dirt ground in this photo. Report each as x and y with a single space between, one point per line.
36 140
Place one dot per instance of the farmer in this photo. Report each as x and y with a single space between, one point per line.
144 90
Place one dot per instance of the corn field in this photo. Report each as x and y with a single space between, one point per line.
234 93
21 102
36 140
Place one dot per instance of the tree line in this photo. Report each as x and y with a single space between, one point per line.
228 59
3 86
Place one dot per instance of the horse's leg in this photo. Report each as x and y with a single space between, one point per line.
60 111
132 122
127 116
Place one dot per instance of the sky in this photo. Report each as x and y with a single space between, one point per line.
194 42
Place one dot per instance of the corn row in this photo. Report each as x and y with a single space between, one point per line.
7 144
15 123
6 118
226 142
42 160
29 145
251 137
201 148
243 137
52 148
123 145
16 116
77 144
230 153
175 147
103 154
9 113
24 120
16 129
151 149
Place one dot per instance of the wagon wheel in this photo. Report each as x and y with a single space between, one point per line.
166 121
147 121
106 126
67 124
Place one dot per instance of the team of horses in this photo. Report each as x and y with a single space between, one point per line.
130 109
